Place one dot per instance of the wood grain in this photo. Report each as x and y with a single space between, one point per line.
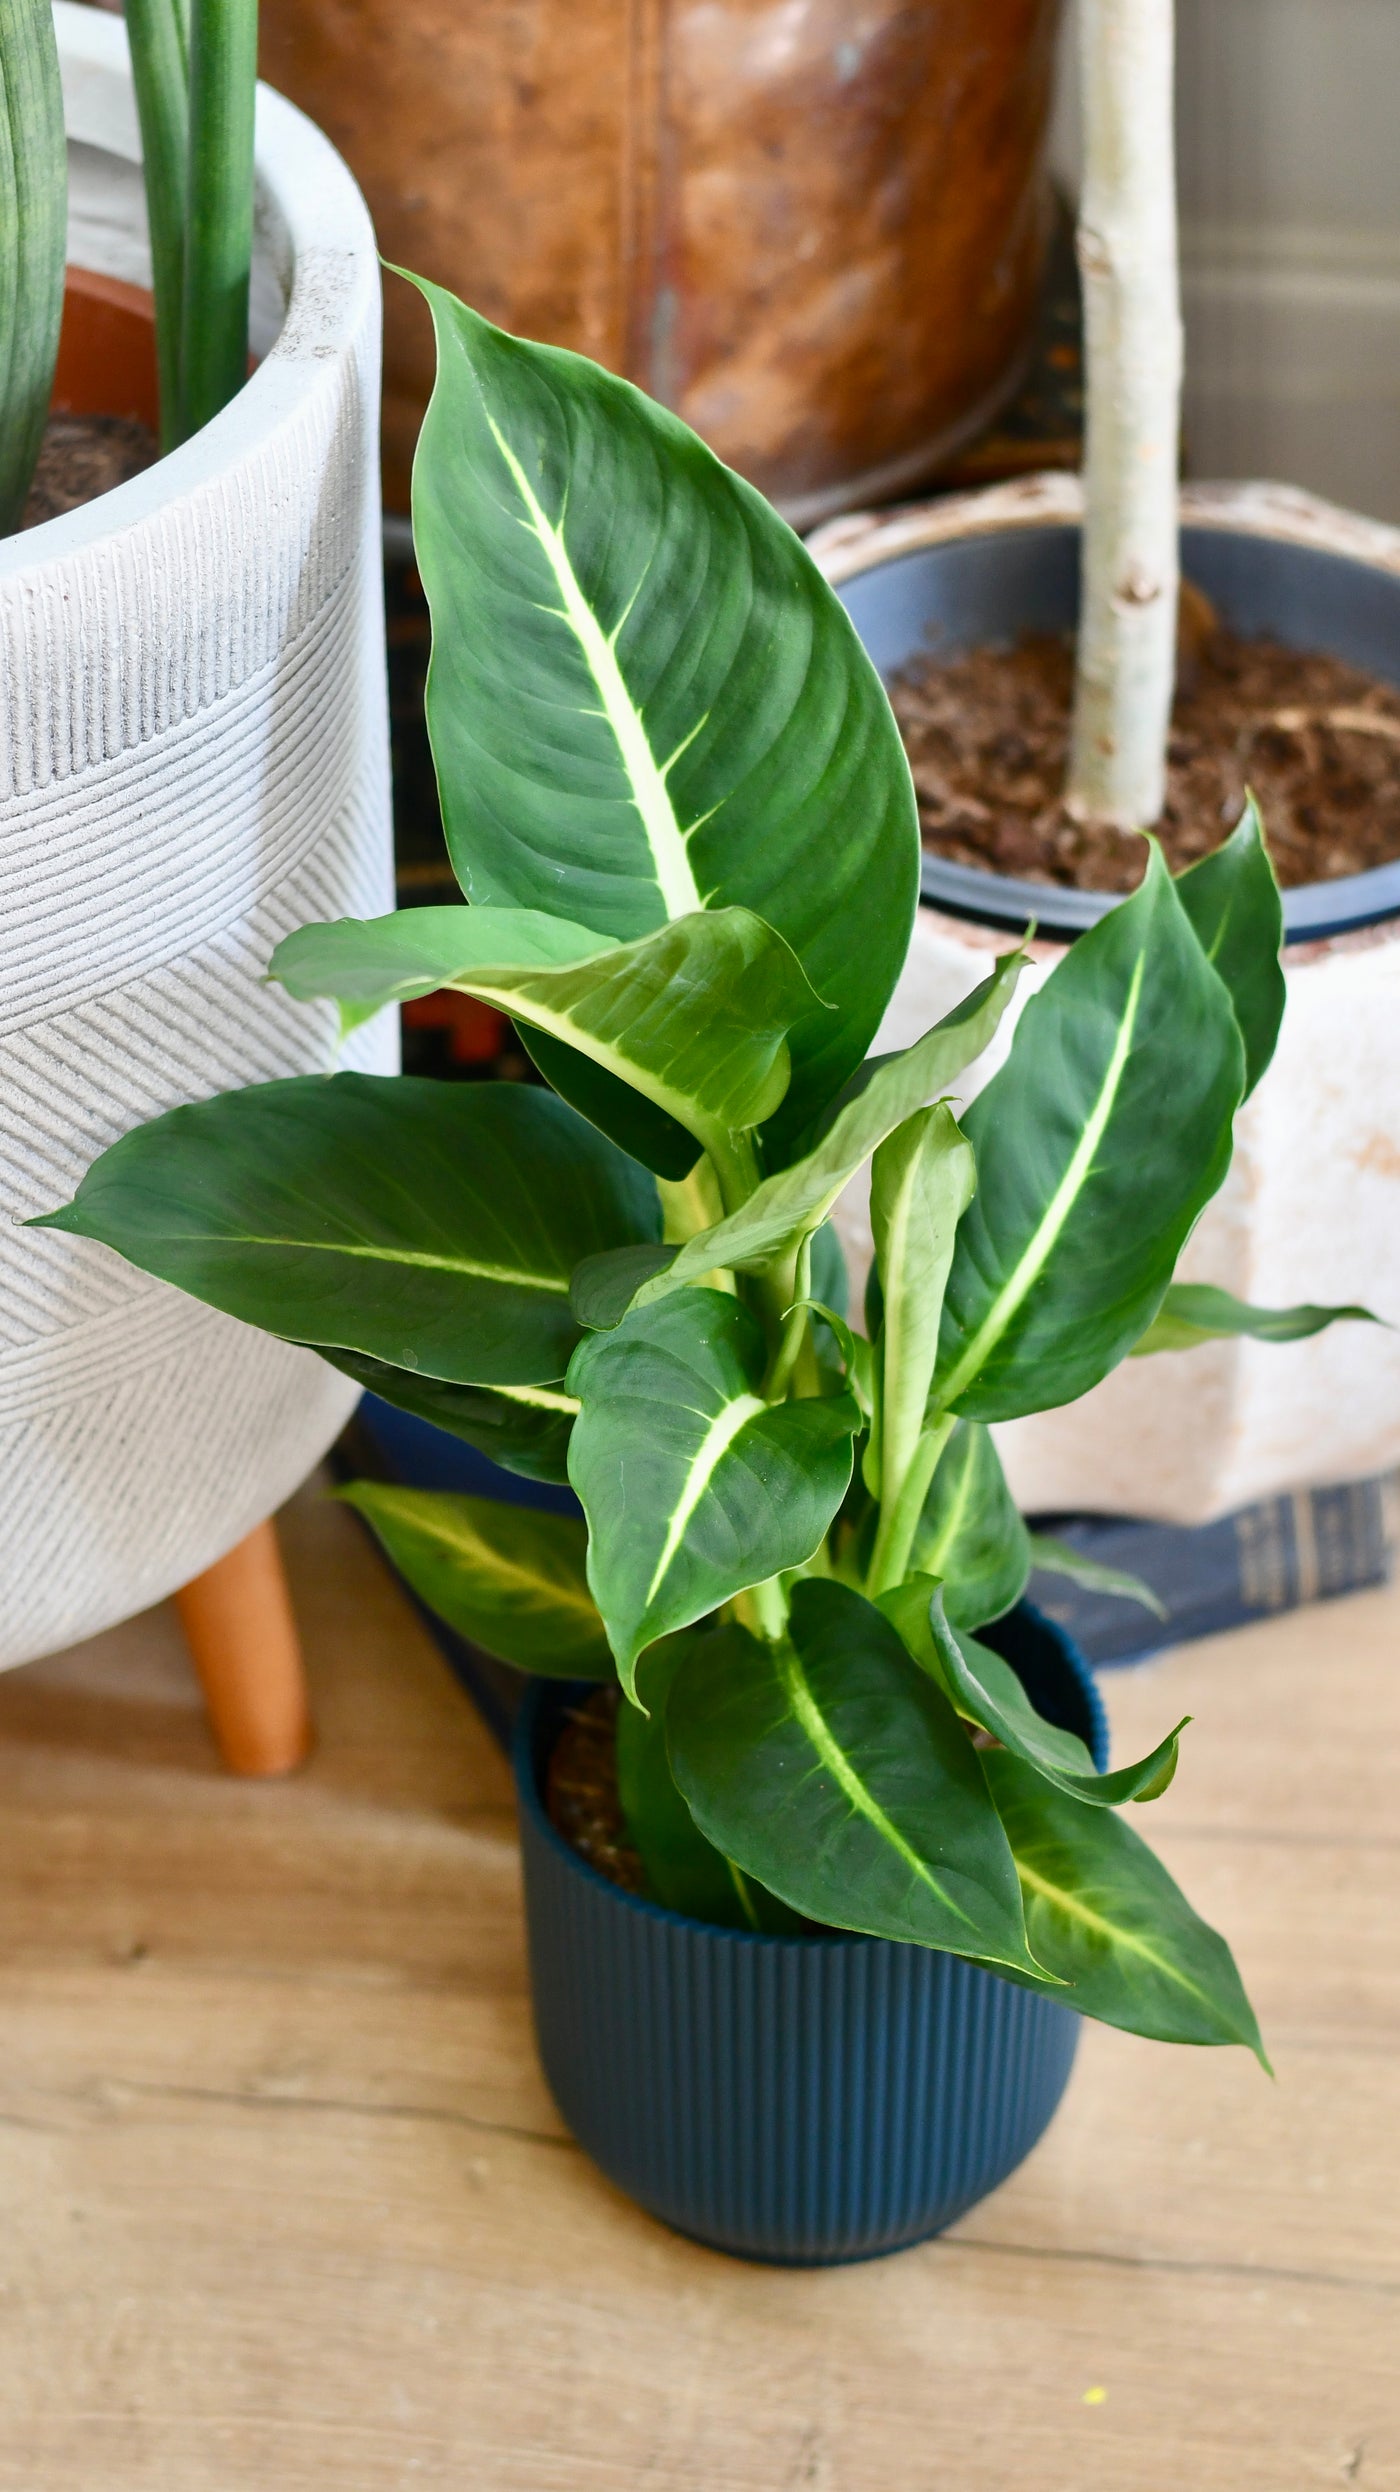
287 2205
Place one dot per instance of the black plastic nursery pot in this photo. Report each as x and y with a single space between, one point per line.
801 2101
980 570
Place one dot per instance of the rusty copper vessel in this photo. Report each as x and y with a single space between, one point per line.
814 227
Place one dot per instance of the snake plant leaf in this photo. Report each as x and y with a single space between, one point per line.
523 1427
1057 1557
922 1179
684 1871
837 1774
1234 904
693 1016
33 231
509 1578
1192 1312
1098 1145
795 1202
433 1225
644 699
986 1690
1103 1914
970 1534
604 1286
693 1485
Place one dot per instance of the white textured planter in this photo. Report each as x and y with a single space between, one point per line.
1311 1208
193 760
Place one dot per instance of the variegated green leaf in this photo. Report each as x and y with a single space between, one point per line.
693 1016
509 1578
644 699
524 1427
837 1773
970 1534
795 1202
987 1691
1098 1145
433 1225
1057 1557
694 1486
1233 902
683 1870
922 1179
1192 1312
1103 1914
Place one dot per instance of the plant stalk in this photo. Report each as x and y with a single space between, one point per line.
899 1520
33 240
160 67
219 221
1132 326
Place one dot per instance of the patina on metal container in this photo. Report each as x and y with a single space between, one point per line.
814 227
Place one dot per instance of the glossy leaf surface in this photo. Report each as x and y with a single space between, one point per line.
693 1486
1102 1913
644 699
433 1225
837 1773
694 1016
1098 1144
1059 1557
524 1427
797 1199
1192 1312
970 1535
508 1578
986 1690
684 1871
922 1179
1233 902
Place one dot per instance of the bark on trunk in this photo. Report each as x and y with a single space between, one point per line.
1132 320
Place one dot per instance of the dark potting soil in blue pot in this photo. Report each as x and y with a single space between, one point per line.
797 2100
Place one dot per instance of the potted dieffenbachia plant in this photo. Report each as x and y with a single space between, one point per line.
678 806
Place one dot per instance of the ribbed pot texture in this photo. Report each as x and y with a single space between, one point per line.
801 2101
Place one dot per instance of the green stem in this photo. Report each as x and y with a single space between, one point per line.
734 1158
33 237
160 74
219 226
899 1519
763 1610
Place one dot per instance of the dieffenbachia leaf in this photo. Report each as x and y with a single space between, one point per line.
796 1201
922 1179
433 1225
694 1016
1233 902
1098 1144
970 1534
987 1691
644 699
524 1427
604 1286
1192 1312
694 1486
684 1870
1103 1914
508 1578
1058 1557
836 1772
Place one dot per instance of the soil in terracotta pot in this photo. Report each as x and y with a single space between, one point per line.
987 735
82 456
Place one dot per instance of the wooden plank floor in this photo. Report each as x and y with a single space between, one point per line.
284 2203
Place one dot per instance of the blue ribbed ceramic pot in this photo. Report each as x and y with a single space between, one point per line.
799 2100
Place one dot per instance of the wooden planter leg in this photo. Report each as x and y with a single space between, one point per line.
242 1636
